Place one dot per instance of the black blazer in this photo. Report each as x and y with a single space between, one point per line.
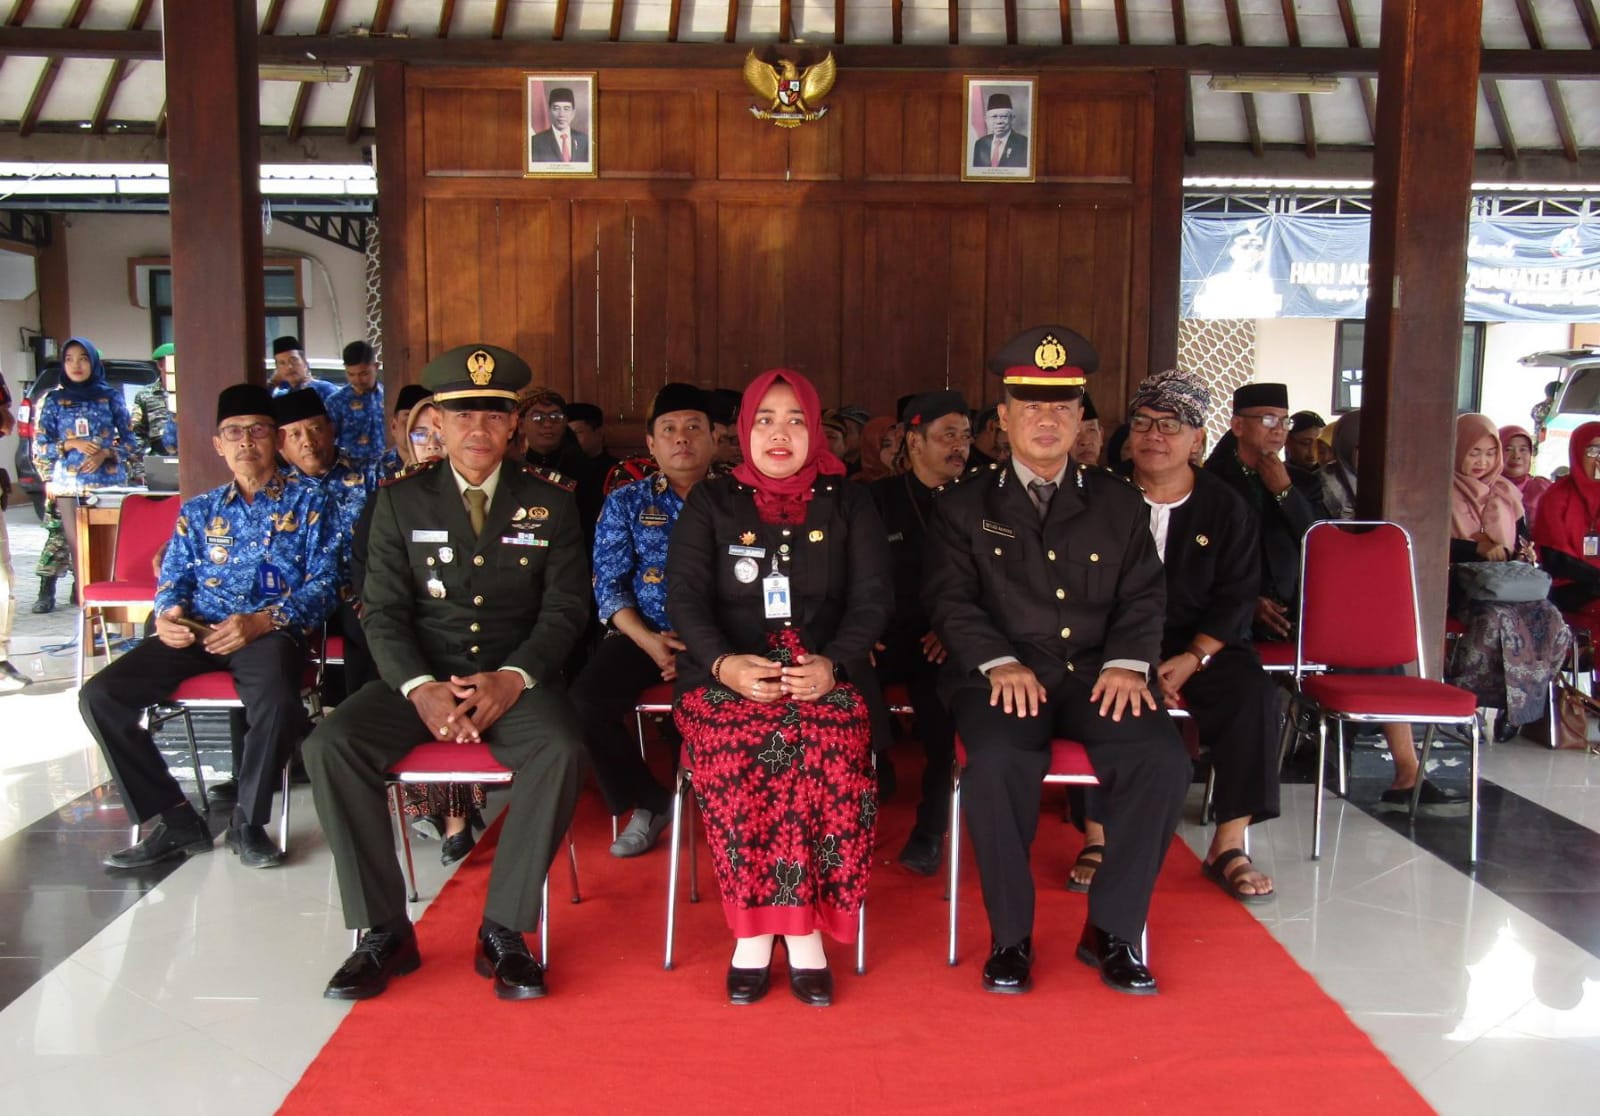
837 563
905 506
1213 567
1063 596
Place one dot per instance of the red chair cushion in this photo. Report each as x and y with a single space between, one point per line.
1275 652
659 694
1068 760
119 592
897 695
333 649
144 525
217 685
1389 695
446 757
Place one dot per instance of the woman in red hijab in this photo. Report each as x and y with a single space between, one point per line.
880 446
779 584
1568 528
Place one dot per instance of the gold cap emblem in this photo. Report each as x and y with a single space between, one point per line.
480 368
1051 353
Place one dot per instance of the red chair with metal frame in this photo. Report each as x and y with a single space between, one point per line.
447 761
1358 611
144 525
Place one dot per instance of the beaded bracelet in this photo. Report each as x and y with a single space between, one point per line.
716 669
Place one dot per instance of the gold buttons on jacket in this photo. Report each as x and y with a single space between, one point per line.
1094 557
1050 554
478 601
1066 633
474 627
784 549
430 560
473 649
998 552
1071 669
1061 594
786 532
477 559
523 562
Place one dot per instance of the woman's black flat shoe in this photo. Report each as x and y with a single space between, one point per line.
813 987
746 986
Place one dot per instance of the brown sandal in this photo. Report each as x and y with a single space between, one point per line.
1217 872
1090 857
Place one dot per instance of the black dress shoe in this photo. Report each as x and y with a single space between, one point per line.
164 842
503 955
223 794
1009 968
813 987
746 986
922 854
1118 961
456 846
377 957
253 847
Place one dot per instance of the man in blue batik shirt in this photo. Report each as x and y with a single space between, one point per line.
306 442
249 567
290 372
630 587
356 410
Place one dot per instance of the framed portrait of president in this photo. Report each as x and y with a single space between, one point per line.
1001 114
560 139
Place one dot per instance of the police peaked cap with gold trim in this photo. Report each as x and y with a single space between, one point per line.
477 377
1044 359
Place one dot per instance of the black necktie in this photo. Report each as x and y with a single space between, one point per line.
1042 492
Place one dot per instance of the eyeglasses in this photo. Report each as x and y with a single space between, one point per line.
1268 422
541 417
1141 424
424 437
1591 451
255 432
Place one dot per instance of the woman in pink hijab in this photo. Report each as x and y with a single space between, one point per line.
1516 445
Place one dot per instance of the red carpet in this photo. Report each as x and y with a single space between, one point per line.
1238 1028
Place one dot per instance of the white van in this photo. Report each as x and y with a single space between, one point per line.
1578 401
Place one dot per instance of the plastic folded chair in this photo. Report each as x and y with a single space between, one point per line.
1358 611
447 761
143 528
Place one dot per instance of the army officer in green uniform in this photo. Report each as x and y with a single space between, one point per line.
477 588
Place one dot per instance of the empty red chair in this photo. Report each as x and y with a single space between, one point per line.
143 528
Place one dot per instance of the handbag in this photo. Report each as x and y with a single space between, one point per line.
1569 719
1502 582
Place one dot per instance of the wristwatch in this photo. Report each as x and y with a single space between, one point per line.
1204 659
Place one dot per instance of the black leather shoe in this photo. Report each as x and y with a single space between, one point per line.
377 957
1118 961
922 854
746 986
456 846
253 847
164 842
223 794
503 955
1009 968
813 987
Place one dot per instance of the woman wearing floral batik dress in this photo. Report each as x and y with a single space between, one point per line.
779 584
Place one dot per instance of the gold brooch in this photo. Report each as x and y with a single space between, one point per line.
748 538
1202 540
815 536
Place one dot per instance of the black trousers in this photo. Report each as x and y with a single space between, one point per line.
1144 775
902 661
604 696
347 755
267 674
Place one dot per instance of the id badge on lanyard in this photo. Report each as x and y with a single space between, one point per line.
775 594
1591 546
80 428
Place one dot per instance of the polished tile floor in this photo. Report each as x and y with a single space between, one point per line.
135 993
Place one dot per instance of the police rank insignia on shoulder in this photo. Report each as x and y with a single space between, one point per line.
553 477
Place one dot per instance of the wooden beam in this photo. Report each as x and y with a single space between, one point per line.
1422 187
269 22
1502 122
838 20
19 13
497 29
785 20
731 33
1122 21
358 50
1180 23
1011 22
1352 38
674 20
119 69
897 20
1552 91
403 353
1308 122
447 15
954 8
614 33
214 154
1590 21
363 89
1247 101
559 30
51 71
1166 218
302 96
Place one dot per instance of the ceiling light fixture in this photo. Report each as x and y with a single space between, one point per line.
1272 83
304 71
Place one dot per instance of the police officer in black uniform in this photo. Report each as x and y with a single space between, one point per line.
1044 585
477 588
938 439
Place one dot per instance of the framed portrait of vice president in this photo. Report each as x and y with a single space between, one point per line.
560 140
1001 115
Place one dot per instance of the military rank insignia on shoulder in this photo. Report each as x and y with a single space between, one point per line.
415 469
555 478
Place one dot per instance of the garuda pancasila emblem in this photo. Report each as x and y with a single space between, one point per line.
795 95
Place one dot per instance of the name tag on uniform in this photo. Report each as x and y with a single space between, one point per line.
775 592
219 540
748 551
1001 529
653 519
524 539
430 536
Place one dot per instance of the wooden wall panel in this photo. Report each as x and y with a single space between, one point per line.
1088 139
915 135
779 302
472 131
748 148
650 134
